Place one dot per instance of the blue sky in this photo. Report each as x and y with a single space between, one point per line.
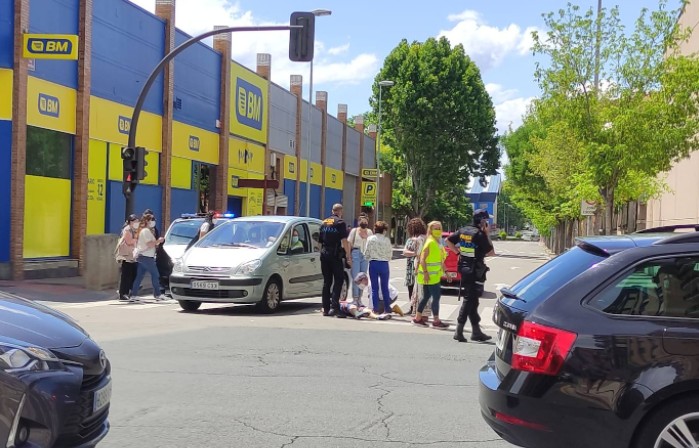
352 43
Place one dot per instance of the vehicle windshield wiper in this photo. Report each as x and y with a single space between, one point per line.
235 245
511 295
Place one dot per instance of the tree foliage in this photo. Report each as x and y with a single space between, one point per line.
439 122
608 140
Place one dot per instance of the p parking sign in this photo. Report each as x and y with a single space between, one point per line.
368 192
50 46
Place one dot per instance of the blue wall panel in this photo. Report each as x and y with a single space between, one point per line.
5 206
147 196
290 192
235 205
332 197
182 201
197 86
55 17
315 209
127 44
7 14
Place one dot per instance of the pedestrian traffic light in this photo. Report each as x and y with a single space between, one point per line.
302 40
128 155
141 163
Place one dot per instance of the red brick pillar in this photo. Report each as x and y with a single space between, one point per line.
82 135
322 104
264 69
222 44
165 9
19 141
297 89
359 126
342 117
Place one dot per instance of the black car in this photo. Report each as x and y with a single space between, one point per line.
599 347
55 383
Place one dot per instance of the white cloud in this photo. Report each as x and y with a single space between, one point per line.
339 50
198 16
487 45
509 113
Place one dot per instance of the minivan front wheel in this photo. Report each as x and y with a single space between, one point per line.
271 297
674 425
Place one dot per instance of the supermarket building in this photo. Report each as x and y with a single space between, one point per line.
207 122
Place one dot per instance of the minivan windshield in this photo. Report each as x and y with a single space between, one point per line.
550 277
240 233
182 232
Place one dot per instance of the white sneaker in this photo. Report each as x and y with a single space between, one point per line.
161 298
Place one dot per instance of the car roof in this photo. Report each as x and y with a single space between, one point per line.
612 244
276 218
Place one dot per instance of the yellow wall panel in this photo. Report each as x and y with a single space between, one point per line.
291 168
246 155
5 94
316 172
46 217
116 165
50 106
253 205
96 187
334 178
152 168
233 175
249 104
181 173
111 122
189 142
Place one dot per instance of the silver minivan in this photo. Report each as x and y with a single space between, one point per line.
252 260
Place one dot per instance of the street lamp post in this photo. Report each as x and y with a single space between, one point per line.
317 13
382 84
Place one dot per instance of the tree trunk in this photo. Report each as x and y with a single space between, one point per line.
608 211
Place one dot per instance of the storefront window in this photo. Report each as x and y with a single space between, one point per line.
48 153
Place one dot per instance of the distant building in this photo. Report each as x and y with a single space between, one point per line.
484 195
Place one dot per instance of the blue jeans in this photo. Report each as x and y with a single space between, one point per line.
147 264
435 293
359 264
378 271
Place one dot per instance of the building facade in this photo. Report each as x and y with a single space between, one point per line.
207 122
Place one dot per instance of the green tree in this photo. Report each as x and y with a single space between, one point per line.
608 140
508 211
440 123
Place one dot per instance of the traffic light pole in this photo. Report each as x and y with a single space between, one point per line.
129 209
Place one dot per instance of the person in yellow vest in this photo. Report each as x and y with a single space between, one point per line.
429 275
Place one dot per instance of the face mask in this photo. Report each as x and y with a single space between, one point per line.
437 233
134 225
294 239
363 225
151 224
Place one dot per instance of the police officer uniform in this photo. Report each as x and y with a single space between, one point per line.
472 244
332 260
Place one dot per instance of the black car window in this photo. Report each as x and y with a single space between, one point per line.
300 246
314 228
550 277
665 287
182 232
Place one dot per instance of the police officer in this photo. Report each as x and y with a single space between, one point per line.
472 244
333 258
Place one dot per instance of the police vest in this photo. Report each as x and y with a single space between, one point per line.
466 244
330 235
433 263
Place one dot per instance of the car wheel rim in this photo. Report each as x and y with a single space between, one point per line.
272 296
683 432
343 293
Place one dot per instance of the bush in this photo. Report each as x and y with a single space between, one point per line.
518 235
503 235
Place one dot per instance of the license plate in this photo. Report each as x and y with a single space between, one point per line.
204 284
102 398
501 339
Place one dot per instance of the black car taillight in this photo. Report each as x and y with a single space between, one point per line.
541 349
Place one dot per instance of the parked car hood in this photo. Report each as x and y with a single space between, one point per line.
39 325
175 251
221 257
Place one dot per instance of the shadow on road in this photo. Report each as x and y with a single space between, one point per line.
285 309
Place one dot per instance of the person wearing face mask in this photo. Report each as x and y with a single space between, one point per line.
358 238
429 275
125 257
296 244
145 255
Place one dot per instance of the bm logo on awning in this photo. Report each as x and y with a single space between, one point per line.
51 46
49 105
249 104
194 143
124 125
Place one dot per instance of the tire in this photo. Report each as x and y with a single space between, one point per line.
345 288
271 298
189 305
670 422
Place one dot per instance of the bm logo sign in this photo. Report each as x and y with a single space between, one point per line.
124 125
194 143
50 46
248 104
49 105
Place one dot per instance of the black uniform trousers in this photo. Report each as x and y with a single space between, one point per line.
471 293
332 267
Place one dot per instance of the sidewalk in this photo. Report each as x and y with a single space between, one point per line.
66 289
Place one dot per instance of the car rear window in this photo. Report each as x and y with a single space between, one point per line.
550 277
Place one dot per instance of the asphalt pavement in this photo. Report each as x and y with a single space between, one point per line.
229 377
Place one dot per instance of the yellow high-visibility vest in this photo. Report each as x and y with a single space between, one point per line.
434 261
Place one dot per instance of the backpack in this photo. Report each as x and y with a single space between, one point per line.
122 251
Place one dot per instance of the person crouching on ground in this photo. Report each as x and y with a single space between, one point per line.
363 284
430 270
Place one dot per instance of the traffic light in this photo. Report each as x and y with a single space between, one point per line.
128 155
141 163
302 40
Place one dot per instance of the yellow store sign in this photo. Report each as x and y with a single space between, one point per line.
111 122
249 100
334 178
50 106
246 155
194 143
291 168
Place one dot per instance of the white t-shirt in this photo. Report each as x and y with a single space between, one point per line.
144 237
367 293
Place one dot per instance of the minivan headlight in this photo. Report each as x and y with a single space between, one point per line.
16 359
249 267
177 265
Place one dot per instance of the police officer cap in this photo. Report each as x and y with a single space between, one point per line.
479 215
